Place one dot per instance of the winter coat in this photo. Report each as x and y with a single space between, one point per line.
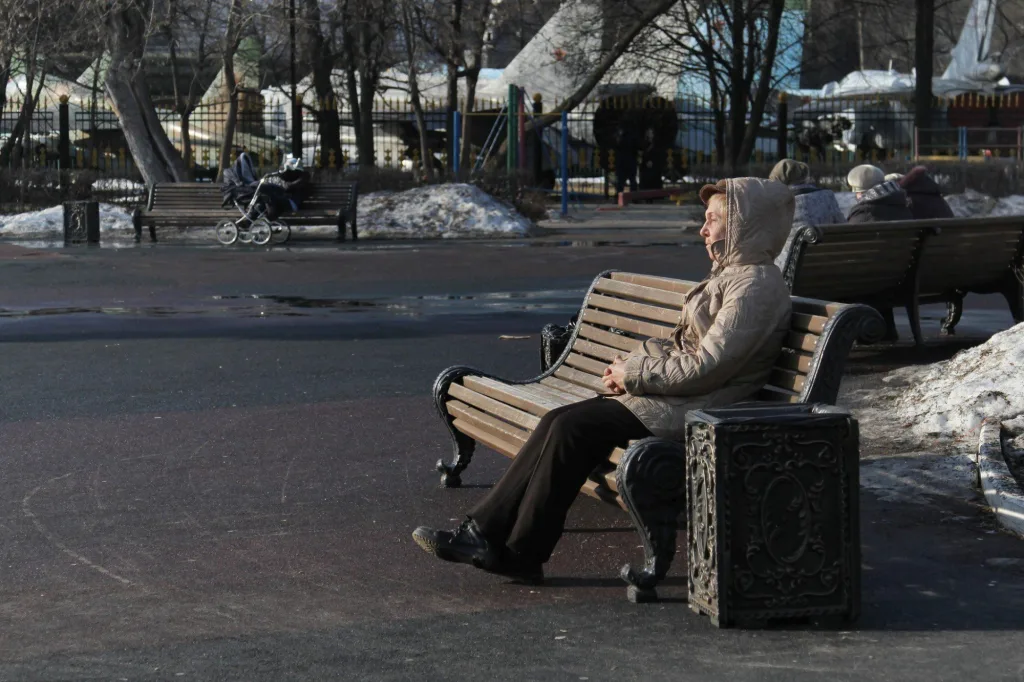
882 203
925 196
814 206
732 324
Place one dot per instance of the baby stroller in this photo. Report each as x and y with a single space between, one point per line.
253 200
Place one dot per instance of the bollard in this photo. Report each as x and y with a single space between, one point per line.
81 222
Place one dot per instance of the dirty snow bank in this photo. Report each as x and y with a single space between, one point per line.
950 399
115 222
452 210
919 428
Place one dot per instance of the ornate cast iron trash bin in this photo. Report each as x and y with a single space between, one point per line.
81 222
772 505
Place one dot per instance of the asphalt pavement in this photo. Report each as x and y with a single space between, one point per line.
213 460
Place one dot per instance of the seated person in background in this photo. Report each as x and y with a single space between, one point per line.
878 200
730 332
924 193
287 189
814 205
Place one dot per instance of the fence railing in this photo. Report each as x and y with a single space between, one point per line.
655 139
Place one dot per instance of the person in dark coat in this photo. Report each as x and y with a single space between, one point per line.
878 200
924 193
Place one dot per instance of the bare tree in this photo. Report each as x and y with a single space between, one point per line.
413 26
128 25
233 33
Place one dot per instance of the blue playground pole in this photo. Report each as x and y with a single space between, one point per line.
456 134
565 164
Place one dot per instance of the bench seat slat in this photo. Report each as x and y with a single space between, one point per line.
591 488
808 323
510 395
510 414
499 445
804 342
798 362
492 425
568 387
787 380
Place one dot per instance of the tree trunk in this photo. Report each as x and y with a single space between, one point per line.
924 42
364 133
764 83
319 54
232 39
23 124
466 138
426 157
154 155
454 58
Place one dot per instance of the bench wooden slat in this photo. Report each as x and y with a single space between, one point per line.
499 445
798 362
568 387
787 380
626 343
638 310
511 395
808 323
591 488
496 427
806 342
491 406
596 350
585 364
581 378
663 283
628 324
640 292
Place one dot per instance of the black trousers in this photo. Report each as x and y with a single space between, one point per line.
526 508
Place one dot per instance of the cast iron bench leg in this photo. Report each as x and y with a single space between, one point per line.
462 445
651 479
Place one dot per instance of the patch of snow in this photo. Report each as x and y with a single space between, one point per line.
118 185
950 399
115 223
446 211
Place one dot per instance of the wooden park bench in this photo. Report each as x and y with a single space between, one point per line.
199 204
910 263
619 312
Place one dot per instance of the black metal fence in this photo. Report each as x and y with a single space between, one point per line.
655 140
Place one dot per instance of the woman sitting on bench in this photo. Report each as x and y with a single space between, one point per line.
730 332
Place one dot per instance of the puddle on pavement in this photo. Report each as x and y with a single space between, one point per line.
564 301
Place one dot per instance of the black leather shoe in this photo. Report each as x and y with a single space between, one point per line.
464 545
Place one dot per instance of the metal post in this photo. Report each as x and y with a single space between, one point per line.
565 163
456 135
296 104
521 130
963 143
782 140
510 131
538 142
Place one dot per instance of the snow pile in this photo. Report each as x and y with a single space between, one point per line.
452 210
118 185
951 398
115 223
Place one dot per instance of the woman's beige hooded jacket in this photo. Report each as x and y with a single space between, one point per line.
732 324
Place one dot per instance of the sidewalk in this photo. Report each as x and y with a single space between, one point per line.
638 223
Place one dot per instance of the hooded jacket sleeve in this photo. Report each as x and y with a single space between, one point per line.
745 321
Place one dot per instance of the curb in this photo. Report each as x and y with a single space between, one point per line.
1000 488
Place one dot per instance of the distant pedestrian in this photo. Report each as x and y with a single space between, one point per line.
924 194
878 200
814 205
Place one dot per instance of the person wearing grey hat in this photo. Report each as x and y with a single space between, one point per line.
878 200
814 205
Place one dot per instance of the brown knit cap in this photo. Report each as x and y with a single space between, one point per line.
790 172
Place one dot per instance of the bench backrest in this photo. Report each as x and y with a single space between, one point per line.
622 309
168 196
868 261
970 254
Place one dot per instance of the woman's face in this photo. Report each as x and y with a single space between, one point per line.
714 223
